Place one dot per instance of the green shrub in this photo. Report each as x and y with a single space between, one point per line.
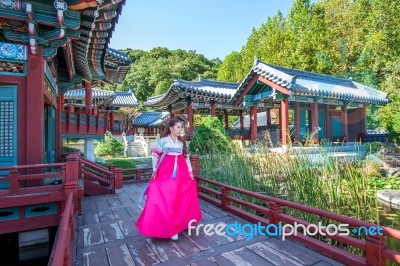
120 163
109 147
210 138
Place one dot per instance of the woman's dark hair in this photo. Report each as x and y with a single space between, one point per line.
172 122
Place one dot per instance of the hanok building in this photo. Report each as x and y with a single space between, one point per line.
47 48
103 101
325 107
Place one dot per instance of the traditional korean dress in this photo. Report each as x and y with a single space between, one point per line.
172 200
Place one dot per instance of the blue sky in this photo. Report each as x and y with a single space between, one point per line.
211 27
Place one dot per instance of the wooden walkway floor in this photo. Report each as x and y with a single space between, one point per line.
107 236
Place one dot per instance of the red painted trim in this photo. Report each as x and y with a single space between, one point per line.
32 223
284 120
275 86
253 123
246 90
35 108
345 123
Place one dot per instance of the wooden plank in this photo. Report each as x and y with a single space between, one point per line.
184 246
293 250
114 202
241 256
201 241
274 256
163 249
101 202
106 215
91 217
112 232
92 236
120 213
206 262
142 253
97 258
128 228
119 256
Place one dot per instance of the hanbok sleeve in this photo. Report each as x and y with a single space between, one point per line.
156 152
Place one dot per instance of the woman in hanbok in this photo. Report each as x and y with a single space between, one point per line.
172 200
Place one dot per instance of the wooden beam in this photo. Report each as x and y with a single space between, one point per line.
241 120
226 120
212 109
275 86
190 119
88 96
269 118
246 90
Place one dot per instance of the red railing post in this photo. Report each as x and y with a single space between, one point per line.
118 178
274 210
14 183
225 202
138 174
374 247
195 162
71 178
112 177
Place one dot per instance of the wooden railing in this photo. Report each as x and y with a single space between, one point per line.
374 247
79 121
99 180
28 179
64 248
136 175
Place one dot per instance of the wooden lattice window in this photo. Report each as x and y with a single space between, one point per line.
6 129
11 67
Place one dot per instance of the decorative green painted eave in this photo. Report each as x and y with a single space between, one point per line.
44 15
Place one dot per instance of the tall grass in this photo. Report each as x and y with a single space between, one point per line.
339 185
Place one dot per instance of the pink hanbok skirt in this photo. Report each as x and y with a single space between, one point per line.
171 203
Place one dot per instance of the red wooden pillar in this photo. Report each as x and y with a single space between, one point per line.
283 121
35 108
345 122
60 108
297 121
363 117
269 118
112 115
241 120
314 119
88 96
328 123
253 123
212 109
226 120
190 119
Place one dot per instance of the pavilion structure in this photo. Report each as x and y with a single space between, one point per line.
324 107
47 48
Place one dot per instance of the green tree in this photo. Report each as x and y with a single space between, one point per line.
109 147
151 73
210 138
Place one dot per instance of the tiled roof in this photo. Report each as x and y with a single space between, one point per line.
222 91
80 94
125 99
261 120
150 119
303 83
112 53
117 99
